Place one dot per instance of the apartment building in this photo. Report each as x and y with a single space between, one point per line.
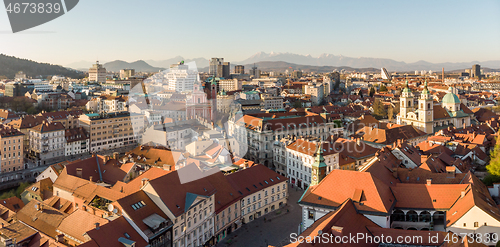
47 142
261 130
191 206
11 149
230 85
261 190
107 103
271 102
77 141
109 131
69 119
316 91
300 156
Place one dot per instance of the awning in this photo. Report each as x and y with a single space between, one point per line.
153 221
238 222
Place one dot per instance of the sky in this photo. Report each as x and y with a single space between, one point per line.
409 31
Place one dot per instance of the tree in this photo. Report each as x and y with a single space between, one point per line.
379 110
494 166
383 88
372 91
297 104
390 113
360 93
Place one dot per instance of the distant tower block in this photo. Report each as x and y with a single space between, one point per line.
385 74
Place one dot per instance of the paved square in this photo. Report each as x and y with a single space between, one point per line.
274 231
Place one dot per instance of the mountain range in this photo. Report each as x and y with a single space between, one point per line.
139 66
363 62
322 62
10 65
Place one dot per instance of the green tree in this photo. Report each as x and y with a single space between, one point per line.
379 110
372 91
383 88
297 104
494 166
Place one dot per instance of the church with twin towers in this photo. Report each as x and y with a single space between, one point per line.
429 116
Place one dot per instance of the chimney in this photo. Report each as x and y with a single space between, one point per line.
246 164
106 158
429 181
37 207
94 154
462 194
60 238
464 125
115 155
97 225
450 170
90 179
336 231
144 181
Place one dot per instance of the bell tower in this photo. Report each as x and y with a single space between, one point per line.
405 103
318 167
426 111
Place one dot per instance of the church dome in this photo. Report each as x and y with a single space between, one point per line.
451 98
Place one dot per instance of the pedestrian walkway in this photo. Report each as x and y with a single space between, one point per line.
271 229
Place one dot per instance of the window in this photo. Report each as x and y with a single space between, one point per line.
476 224
310 215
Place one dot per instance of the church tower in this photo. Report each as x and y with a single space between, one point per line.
318 167
406 102
426 111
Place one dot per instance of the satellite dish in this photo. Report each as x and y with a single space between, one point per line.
110 207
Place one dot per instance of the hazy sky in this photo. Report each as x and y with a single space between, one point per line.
435 31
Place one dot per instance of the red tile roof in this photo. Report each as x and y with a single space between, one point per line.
108 234
340 185
253 179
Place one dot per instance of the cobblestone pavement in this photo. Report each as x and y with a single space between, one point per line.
275 230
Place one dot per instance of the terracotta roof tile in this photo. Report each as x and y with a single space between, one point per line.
78 223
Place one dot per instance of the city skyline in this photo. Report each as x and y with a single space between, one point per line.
446 31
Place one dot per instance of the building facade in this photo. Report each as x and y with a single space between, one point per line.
108 131
97 73
47 142
11 146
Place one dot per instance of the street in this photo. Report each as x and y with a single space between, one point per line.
275 230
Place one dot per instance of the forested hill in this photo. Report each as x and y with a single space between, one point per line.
9 66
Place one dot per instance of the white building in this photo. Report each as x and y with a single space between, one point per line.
77 141
97 73
47 142
181 78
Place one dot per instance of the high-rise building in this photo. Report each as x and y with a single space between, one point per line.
126 73
385 74
97 73
297 74
254 72
239 69
213 65
476 71
223 70
181 78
